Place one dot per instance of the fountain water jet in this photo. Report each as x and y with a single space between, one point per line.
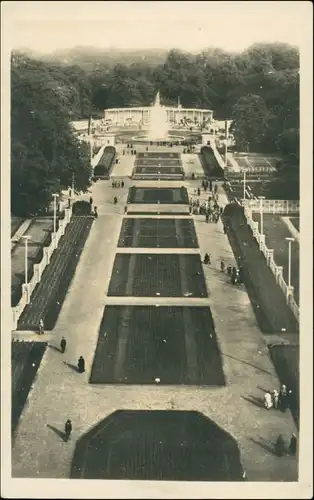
158 126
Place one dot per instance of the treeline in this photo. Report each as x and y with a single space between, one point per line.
45 154
258 89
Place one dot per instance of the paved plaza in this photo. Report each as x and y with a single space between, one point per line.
59 392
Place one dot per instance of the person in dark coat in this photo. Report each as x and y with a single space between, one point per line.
207 217
115 200
206 258
95 213
67 430
63 344
81 364
283 398
229 270
222 266
198 192
91 200
280 448
122 184
293 445
225 229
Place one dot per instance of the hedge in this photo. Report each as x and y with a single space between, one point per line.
105 163
210 164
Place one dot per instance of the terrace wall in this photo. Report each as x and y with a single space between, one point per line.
269 253
39 268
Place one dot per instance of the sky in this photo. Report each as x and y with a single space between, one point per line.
192 26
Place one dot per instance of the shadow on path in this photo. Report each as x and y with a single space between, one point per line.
57 431
74 367
254 400
263 445
246 363
54 347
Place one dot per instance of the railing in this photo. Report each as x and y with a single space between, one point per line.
39 268
269 255
273 206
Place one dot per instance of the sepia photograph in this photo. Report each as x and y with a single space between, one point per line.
156 249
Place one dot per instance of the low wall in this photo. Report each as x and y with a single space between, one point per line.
269 255
39 268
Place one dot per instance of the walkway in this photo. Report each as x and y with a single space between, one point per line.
60 392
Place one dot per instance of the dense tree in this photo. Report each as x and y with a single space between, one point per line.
250 123
44 150
258 88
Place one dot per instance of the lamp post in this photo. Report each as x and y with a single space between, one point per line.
55 195
261 198
26 237
72 186
289 240
226 142
244 183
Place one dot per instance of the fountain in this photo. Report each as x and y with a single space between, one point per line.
158 125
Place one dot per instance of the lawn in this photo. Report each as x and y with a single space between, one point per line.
25 361
164 445
40 232
276 231
49 294
268 300
158 170
158 195
296 222
153 275
137 344
158 162
253 189
15 224
159 155
153 233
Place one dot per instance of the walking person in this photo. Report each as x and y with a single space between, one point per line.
115 200
229 270
283 396
293 445
95 213
90 201
122 184
41 327
222 266
63 345
198 192
67 430
207 217
268 403
280 447
81 364
275 398
207 259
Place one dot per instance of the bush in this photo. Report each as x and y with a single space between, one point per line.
105 163
81 207
210 164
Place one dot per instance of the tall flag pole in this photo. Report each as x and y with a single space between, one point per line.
226 141
89 134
